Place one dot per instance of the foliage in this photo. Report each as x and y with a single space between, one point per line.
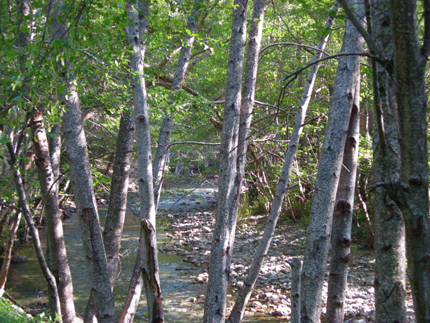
9 313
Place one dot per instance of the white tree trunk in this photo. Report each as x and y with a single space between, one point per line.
229 178
145 271
330 164
246 290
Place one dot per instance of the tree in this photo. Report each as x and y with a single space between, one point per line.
330 164
230 179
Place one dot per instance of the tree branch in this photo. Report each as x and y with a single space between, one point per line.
293 44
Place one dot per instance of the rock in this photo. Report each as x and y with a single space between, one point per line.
239 284
281 311
256 304
370 281
18 259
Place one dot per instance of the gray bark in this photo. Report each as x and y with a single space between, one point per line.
229 178
8 253
76 148
412 189
34 233
160 158
330 164
118 194
57 247
145 271
254 270
342 219
390 249
296 284
247 106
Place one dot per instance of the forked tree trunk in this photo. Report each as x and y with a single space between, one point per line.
390 249
57 247
80 175
342 219
229 178
145 271
330 164
246 290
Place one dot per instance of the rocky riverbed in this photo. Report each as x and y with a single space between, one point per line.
191 222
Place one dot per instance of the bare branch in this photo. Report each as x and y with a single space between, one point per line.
293 44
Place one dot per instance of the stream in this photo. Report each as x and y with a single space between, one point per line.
183 299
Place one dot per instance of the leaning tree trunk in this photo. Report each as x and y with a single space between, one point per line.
145 271
57 247
80 175
229 178
34 233
412 189
342 219
160 158
246 290
330 164
8 253
390 249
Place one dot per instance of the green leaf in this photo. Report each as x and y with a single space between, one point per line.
53 136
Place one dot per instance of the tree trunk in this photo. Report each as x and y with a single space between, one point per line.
8 254
390 249
34 233
118 194
246 290
146 267
57 247
342 219
296 284
412 189
178 80
229 178
80 175
330 164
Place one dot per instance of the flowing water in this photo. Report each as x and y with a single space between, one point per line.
180 293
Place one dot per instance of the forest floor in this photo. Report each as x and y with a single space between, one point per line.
189 227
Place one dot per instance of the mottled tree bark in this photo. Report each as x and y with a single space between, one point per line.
246 290
80 175
296 286
229 178
390 249
342 219
410 59
57 247
330 164
145 271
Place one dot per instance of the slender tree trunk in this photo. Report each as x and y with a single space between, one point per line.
118 194
342 219
229 178
8 254
57 246
178 80
390 249
76 148
412 189
34 233
330 164
145 271
246 290
296 285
